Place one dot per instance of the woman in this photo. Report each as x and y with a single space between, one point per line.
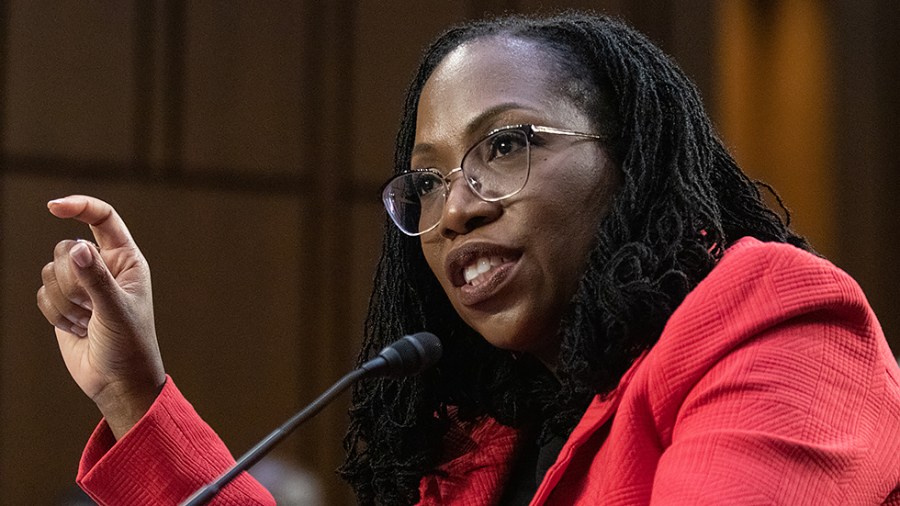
624 320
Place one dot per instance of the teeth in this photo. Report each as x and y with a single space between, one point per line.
479 267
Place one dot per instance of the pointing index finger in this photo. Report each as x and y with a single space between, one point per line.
106 224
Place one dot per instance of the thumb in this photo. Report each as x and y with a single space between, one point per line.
95 277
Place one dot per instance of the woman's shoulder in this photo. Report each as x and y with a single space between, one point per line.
776 280
766 293
750 258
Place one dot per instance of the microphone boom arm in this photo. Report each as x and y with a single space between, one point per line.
407 356
262 448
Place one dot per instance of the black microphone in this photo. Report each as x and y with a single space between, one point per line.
407 356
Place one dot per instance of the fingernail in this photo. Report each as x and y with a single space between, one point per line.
79 331
84 322
87 305
54 201
81 254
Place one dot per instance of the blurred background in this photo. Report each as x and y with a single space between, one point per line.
245 142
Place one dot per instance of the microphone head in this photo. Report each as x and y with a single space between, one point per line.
407 356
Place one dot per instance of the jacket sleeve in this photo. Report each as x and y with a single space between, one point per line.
169 454
789 397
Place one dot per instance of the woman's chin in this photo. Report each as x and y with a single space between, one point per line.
525 341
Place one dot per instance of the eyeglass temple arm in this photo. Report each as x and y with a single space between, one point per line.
551 130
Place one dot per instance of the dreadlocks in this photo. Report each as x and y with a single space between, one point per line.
681 202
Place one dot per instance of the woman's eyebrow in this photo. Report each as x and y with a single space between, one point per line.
421 148
476 125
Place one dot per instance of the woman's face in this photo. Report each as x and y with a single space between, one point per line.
535 242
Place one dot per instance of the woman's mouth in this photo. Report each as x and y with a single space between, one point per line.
484 278
479 271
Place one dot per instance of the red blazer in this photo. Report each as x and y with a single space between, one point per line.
771 384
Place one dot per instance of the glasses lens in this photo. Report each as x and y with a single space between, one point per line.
497 167
415 201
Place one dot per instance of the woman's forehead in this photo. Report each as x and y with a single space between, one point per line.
492 60
497 73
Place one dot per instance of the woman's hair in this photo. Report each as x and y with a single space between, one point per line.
681 202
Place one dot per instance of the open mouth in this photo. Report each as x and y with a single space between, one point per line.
474 264
481 268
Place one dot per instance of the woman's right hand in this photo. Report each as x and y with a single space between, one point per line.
101 304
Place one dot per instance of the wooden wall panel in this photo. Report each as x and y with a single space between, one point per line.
44 417
775 100
366 228
246 89
229 286
390 37
867 151
320 444
69 80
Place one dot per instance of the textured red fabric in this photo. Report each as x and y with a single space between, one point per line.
169 454
772 383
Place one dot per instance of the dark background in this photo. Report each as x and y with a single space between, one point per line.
244 144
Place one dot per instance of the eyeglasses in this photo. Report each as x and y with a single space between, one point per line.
495 168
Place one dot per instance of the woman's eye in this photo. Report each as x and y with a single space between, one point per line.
425 186
506 143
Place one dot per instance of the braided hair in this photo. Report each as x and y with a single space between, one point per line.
682 201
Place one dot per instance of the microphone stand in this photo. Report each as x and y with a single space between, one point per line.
259 451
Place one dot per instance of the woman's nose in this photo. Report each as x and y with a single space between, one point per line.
465 211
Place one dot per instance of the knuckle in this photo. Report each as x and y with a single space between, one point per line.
45 302
62 248
142 264
47 272
51 314
41 297
60 290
